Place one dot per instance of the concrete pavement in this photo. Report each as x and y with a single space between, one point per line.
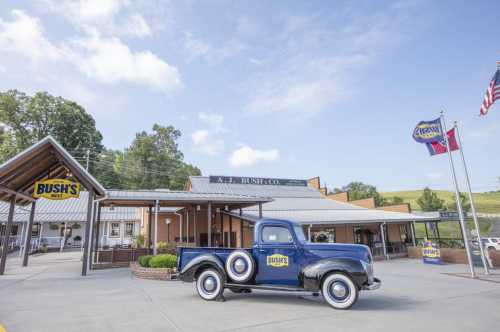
50 295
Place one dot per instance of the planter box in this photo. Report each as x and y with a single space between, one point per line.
153 273
453 255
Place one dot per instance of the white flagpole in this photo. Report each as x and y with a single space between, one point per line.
457 197
472 205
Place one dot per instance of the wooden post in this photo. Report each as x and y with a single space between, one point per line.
195 212
150 217
260 210
209 224
221 228
92 234
86 244
413 235
241 229
230 231
27 242
98 227
5 242
157 207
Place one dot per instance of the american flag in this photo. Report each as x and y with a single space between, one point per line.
492 93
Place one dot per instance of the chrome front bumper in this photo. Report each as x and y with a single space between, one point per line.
374 285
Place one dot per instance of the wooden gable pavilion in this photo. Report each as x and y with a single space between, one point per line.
46 159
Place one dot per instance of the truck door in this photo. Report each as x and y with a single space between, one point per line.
277 256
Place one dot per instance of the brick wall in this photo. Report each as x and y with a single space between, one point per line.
405 208
339 197
368 203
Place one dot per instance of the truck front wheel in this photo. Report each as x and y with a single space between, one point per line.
209 284
339 291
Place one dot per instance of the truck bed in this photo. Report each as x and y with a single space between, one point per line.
186 254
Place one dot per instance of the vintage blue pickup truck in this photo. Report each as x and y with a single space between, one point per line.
281 259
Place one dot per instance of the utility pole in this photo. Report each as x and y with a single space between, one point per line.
88 160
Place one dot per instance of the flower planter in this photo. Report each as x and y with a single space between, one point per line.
153 273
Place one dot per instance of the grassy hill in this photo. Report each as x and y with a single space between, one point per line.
485 202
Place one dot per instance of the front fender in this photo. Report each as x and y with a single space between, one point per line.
312 275
190 271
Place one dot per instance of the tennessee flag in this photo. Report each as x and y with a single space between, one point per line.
438 147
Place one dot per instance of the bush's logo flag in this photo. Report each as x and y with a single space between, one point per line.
428 131
439 147
492 93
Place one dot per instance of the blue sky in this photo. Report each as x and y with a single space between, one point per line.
278 89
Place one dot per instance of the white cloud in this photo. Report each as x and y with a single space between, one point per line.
214 121
113 17
246 156
209 140
196 48
25 35
137 26
206 142
109 60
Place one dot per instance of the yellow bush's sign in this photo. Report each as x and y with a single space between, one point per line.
56 189
277 260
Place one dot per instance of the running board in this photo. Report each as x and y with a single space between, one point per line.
268 287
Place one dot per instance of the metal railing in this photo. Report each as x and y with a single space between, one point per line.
443 242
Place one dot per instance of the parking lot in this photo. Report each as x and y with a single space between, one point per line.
50 295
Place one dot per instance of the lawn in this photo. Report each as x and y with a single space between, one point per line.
485 202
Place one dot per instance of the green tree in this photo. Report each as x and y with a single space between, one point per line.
154 160
429 201
464 201
29 119
395 200
359 190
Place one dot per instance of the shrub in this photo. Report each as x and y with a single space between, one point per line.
162 261
44 248
144 260
77 238
139 241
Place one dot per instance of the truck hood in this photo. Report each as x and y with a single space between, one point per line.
326 250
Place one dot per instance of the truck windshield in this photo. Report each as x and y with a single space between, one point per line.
299 232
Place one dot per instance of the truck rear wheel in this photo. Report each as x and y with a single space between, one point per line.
339 291
240 266
209 285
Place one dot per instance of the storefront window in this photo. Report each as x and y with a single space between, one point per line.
35 230
129 229
326 235
114 229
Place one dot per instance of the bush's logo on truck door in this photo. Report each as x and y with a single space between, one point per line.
56 189
277 260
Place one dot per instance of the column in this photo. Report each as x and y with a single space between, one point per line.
412 227
209 224
97 231
157 207
382 235
230 230
27 242
88 229
5 242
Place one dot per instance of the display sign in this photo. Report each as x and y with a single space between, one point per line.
56 189
450 215
257 181
277 260
431 253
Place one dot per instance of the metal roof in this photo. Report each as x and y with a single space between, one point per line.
303 204
166 197
45 159
201 184
331 217
70 210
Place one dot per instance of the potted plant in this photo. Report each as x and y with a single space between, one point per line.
44 248
77 238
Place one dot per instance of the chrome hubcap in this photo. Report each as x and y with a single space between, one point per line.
239 265
338 290
209 284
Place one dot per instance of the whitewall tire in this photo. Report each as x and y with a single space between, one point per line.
339 291
240 266
209 285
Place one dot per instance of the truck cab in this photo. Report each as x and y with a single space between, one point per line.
281 258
